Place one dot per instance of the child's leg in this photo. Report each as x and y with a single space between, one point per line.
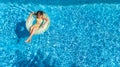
31 29
32 33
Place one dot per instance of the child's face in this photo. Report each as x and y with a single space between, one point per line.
39 15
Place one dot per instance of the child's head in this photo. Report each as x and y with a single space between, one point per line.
39 14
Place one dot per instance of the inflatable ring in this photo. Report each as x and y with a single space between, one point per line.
29 23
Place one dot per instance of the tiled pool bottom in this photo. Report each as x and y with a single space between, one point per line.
79 36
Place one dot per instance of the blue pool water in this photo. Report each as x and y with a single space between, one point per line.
82 35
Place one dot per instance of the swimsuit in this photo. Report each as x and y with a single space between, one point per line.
38 23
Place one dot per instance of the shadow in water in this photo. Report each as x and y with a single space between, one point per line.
21 30
34 60
38 59
63 2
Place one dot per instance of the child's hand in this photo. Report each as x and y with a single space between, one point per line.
32 12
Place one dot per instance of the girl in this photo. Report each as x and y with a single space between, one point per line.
39 18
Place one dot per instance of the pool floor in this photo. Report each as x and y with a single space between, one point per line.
86 35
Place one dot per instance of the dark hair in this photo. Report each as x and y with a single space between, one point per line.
41 13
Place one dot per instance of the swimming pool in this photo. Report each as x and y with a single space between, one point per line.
82 35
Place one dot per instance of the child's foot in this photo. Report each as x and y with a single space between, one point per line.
27 41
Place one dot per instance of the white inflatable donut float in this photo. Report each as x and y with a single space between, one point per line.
29 23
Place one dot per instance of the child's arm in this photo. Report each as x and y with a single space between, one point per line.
32 13
46 21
